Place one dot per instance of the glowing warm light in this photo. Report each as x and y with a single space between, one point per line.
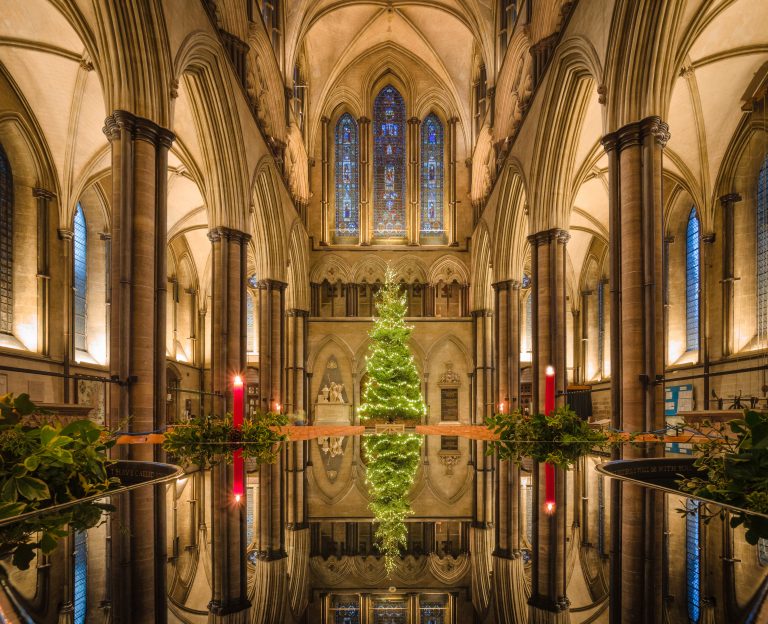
237 498
549 508
238 380
278 407
550 371
549 469
501 407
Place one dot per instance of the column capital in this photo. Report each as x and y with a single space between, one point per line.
271 284
708 237
484 312
510 284
43 194
224 233
291 312
325 120
65 234
139 127
546 236
414 121
634 133
729 199
364 120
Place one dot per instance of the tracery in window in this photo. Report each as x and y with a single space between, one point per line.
6 245
250 320
762 251
80 277
347 179
692 279
432 160
693 559
389 217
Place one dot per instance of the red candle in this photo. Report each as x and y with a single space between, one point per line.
237 422
238 402
549 469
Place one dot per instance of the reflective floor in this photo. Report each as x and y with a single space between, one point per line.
301 546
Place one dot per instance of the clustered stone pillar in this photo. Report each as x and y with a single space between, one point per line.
637 358
510 593
137 350
364 124
270 579
727 203
325 177
296 361
548 602
229 332
452 201
412 181
44 198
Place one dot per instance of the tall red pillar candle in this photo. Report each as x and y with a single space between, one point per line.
549 469
237 421
237 402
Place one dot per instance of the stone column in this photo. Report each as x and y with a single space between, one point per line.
271 343
137 349
351 299
452 201
43 268
637 358
412 181
548 601
510 592
727 203
67 241
229 331
295 370
364 125
325 182
430 292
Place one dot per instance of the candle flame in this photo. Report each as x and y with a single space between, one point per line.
550 371
238 380
237 498
549 507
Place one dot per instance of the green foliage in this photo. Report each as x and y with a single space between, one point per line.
205 440
45 466
559 439
734 469
392 463
393 391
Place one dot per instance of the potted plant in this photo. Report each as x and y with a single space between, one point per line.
46 465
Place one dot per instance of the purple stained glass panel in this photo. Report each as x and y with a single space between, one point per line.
432 157
347 179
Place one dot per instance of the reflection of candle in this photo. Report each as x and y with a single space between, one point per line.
237 422
549 469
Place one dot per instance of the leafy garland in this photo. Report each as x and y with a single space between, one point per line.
205 440
392 463
393 391
559 439
45 466
734 467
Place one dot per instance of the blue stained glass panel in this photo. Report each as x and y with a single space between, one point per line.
389 164
693 559
347 178
529 323
433 611
80 582
432 190
390 612
80 245
346 612
6 245
762 250
692 282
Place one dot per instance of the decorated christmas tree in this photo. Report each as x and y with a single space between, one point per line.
393 391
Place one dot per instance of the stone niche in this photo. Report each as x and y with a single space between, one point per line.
332 406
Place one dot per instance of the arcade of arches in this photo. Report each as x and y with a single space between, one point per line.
195 188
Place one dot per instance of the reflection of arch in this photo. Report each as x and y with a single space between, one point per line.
448 269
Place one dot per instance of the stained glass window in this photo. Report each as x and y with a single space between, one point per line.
601 515
80 577
80 246
250 522
390 612
529 323
693 559
347 178
529 513
346 610
6 245
432 158
434 610
692 274
762 251
389 164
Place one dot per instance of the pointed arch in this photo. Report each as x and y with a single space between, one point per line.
267 224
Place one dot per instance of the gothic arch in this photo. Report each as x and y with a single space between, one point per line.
482 293
448 268
298 268
267 224
511 226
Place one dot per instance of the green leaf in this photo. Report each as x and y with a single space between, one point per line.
32 488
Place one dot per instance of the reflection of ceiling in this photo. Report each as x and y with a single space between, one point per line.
441 34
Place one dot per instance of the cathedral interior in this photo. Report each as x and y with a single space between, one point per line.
193 189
